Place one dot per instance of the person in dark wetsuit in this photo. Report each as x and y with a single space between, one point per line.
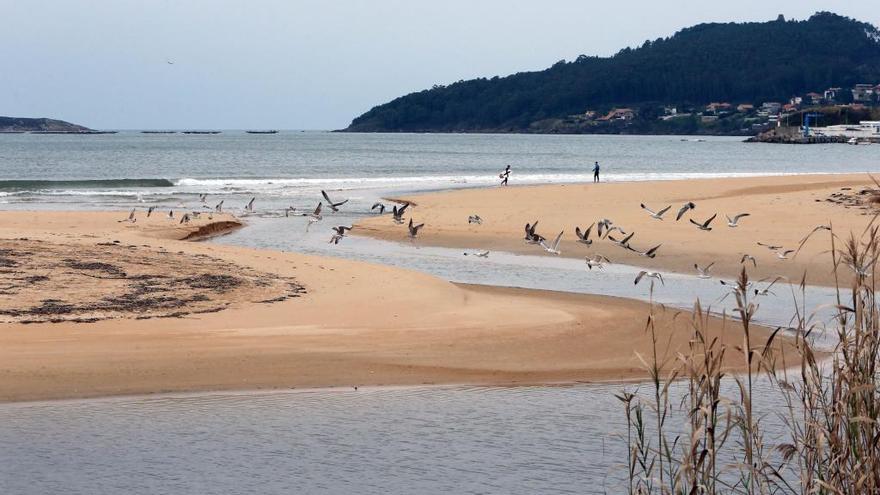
596 172
504 176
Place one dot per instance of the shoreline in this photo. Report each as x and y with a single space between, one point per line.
354 323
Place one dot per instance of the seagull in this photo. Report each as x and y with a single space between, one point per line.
654 275
624 243
584 237
340 230
734 286
703 272
250 206
732 222
651 253
704 225
150 211
684 209
603 224
478 254
333 206
749 257
766 290
531 236
656 214
552 248
783 255
184 218
398 212
414 229
169 62
315 216
771 247
130 217
171 214
597 261
380 206
219 207
475 219
203 198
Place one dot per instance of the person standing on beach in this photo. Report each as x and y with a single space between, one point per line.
504 176
596 172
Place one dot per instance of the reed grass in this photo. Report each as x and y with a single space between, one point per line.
829 406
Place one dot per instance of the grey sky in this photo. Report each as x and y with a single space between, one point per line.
310 64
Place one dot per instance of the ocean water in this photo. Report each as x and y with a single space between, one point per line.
383 440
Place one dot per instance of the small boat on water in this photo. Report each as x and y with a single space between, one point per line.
262 132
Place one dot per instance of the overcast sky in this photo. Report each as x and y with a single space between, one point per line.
311 64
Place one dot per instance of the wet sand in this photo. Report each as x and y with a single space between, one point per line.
348 323
783 209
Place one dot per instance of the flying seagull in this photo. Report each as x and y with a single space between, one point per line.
219 207
584 237
380 206
315 216
478 254
333 206
554 247
338 233
475 219
414 229
703 272
654 275
130 217
704 225
150 211
732 222
184 218
684 209
398 212
651 253
656 214
203 198
531 237
748 257
771 247
783 255
596 261
624 243
250 206
171 214
766 290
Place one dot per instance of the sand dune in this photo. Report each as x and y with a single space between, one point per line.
783 210
352 324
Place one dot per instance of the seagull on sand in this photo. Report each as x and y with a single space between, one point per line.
653 275
703 272
704 225
651 253
333 206
684 209
130 217
398 212
414 229
475 219
748 257
219 207
250 206
584 237
378 205
783 255
732 222
554 247
656 214
596 261
478 254
531 237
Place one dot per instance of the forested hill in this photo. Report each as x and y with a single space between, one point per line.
21 124
737 63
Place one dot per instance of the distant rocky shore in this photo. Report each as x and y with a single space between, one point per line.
42 125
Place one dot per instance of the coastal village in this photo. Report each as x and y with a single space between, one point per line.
833 115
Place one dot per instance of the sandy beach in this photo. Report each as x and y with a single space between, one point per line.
278 320
783 209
